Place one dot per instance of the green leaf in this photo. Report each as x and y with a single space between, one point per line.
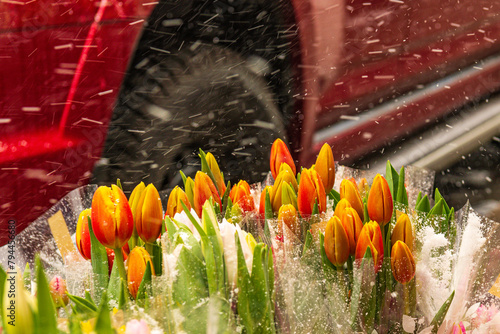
437 209
441 314
103 322
268 210
424 205
229 206
419 198
185 237
307 243
83 305
74 325
171 228
114 285
119 184
402 196
146 286
184 178
99 259
315 210
47 322
198 227
89 297
206 169
437 197
452 227
366 217
225 197
124 294
27 277
392 178
335 196
157 258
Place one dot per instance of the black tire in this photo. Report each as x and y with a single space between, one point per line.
175 104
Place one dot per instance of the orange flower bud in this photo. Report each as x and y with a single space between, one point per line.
288 215
402 263
280 154
403 231
341 206
204 188
58 291
137 260
285 176
311 190
83 234
176 197
380 201
325 166
353 225
363 187
149 215
240 195
262 202
336 242
112 219
371 236
349 191
214 167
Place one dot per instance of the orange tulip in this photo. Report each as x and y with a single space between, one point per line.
176 197
402 263
341 206
83 234
288 215
137 262
262 202
363 187
380 201
325 166
112 219
214 167
135 197
149 215
353 225
349 191
204 189
371 236
280 154
403 231
336 242
285 176
311 190
240 195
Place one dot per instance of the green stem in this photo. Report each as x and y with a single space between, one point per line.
149 249
120 263
406 298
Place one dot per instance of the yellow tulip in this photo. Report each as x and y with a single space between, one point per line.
403 231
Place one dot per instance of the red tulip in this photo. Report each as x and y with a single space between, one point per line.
349 191
83 234
371 236
379 203
137 262
311 191
204 189
176 197
325 166
240 194
262 202
112 219
280 154
149 215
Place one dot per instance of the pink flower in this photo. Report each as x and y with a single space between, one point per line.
137 327
484 314
459 329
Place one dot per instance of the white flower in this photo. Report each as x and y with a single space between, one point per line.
184 219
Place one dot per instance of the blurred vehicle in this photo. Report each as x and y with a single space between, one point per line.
131 89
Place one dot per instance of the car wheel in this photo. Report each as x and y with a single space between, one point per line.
174 104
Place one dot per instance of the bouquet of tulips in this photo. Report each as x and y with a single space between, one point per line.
290 255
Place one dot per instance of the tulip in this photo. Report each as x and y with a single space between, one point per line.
112 219
58 291
137 327
189 187
402 263
262 202
349 191
311 191
227 233
336 242
175 199
459 329
288 215
380 201
149 215
371 237
363 187
137 262
135 197
240 195
353 225
403 231
83 234
285 176
341 206
325 166
214 168
279 155
204 189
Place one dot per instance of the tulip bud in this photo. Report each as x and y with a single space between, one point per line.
204 188
403 231
349 191
137 327
214 167
311 191
58 291
279 155
353 225
363 187
240 195
284 177
83 234
341 206
380 201
149 215
371 236
176 197
112 219
402 263
336 242
262 202
135 197
325 166
250 241
288 215
137 261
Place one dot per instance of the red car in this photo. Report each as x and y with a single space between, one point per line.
160 79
